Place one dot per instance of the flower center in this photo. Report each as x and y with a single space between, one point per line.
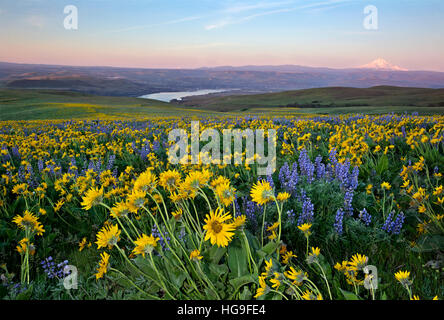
216 226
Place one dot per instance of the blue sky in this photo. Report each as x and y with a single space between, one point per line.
194 33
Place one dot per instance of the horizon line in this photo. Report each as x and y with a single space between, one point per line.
218 66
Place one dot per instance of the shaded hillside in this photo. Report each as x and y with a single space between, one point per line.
323 98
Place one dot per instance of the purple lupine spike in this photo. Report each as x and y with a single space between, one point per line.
338 225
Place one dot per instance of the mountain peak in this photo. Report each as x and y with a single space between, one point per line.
382 64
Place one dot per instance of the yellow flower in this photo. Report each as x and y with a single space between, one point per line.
177 214
308 295
170 179
369 188
287 256
283 196
195 255
305 228
82 244
103 265
386 185
268 265
145 244
147 181
358 262
42 211
274 226
262 289
108 236
297 276
225 193
120 209
217 230
239 221
313 255
403 277
136 200
92 198
29 222
438 191
25 245
262 193
275 281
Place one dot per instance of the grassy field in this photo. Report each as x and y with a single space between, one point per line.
51 104
330 100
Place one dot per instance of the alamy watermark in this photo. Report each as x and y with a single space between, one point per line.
210 153
371 18
70 281
71 21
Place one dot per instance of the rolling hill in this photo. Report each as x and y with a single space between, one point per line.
327 98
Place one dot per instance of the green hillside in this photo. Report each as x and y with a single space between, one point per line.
379 99
52 104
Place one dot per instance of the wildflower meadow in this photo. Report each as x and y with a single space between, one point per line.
95 210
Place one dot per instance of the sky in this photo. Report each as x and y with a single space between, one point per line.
204 33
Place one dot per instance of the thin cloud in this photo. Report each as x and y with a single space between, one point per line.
318 5
139 27
260 5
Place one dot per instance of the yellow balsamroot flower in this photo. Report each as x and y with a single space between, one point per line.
82 244
403 277
305 228
308 295
92 198
170 179
239 221
268 265
274 226
103 265
177 214
262 193
438 191
59 205
369 188
218 231
287 256
225 193
386 186
219 180
20 189
262 289
25 245
283 196
313 255
195 255
108 236
197 179
42 211
145 244
422 208
358 262
136 200
29 222
296 276
147 181
275 281
120 209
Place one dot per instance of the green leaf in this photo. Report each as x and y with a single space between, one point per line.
349 295
215 253
246 294
237 283
270 248
237 261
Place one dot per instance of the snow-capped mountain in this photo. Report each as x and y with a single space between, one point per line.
383 65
